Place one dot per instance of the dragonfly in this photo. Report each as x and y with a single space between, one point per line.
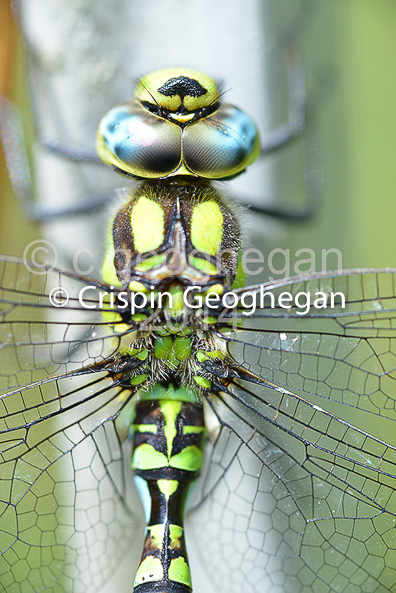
168 370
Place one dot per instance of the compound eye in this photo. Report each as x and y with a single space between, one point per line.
222 144
138 142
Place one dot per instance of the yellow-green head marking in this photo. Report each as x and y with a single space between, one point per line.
179 92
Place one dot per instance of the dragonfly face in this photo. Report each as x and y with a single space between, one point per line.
177 125
293 498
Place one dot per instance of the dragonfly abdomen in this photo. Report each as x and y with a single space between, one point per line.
168 456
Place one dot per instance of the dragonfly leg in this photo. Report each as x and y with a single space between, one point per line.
284 134
291 131
17 162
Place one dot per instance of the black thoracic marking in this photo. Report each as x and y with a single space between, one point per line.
182 86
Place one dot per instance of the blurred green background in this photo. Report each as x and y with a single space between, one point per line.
368 43
353 44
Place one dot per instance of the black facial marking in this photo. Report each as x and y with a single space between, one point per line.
183 87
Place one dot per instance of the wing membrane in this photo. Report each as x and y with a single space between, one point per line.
295 499
68 511
39 340
347 355
64 494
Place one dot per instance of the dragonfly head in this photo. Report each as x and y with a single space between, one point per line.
177 125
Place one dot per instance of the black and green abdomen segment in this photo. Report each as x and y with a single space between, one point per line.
168 456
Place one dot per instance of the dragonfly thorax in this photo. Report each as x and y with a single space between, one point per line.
172 355
166 233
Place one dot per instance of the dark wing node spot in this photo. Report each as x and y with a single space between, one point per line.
183 87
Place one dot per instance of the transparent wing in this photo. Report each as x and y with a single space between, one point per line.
68 508
342 353
44 330
296 499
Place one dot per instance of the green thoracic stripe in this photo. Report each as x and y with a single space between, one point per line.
207 227
172 348
147 224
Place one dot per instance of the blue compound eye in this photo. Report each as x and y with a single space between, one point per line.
138 142
222 144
